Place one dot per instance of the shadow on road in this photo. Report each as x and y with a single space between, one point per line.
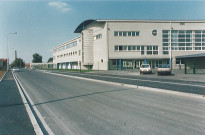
91 94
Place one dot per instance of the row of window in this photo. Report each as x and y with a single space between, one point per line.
151 50
72 44
126 33
69 54
183 40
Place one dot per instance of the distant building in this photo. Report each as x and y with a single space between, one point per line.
3 64
126 44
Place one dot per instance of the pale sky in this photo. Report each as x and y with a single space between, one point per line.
44 24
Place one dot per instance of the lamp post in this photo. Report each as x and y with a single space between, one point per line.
8 49
170 48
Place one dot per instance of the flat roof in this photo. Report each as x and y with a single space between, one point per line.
85 23
192 56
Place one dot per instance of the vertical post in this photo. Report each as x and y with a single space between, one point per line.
185 67
194 66
66 65
179 63
170 46
120 63
80 65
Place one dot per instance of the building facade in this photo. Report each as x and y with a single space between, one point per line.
126 44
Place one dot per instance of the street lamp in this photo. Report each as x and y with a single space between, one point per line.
8 49
170 48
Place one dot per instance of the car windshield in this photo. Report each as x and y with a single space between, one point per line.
163 66
145 66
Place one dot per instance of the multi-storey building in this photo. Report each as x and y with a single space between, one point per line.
126 44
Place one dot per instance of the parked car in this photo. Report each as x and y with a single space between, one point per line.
163 69
145 68
15 69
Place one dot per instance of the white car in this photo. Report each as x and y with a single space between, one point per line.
15 69
145 68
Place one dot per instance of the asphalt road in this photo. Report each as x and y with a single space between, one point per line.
81 107
162 82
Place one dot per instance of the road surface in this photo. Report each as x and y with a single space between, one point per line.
81 107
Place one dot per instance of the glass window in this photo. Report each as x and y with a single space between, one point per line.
165 36
124 33
197 44
197 48
181 32
116 48
129 33
165 40
120 48
142 50
138 47
115 33
198 40
197 35
124 48
165 52
129 48
165 31
133 47
137 33
133 33
181 40
188 48
181 36
120 33
198 31
165 44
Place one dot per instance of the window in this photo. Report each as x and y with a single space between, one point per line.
120 48
116 48
124 48
149 50
99 36
155 50
126 33
115 33
142 50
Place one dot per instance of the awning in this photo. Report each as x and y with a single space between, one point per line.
191 56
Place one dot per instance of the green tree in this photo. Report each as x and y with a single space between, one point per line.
18 63
37 58
50 60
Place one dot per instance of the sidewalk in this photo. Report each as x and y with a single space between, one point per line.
14 119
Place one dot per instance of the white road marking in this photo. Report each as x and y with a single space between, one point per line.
134 86
36 126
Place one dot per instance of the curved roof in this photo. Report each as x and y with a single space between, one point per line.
83 25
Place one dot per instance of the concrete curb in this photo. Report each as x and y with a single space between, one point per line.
34 122
134 86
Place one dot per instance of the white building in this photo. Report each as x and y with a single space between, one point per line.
126 44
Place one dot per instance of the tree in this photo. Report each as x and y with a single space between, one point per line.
50 60
18 63
37 58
